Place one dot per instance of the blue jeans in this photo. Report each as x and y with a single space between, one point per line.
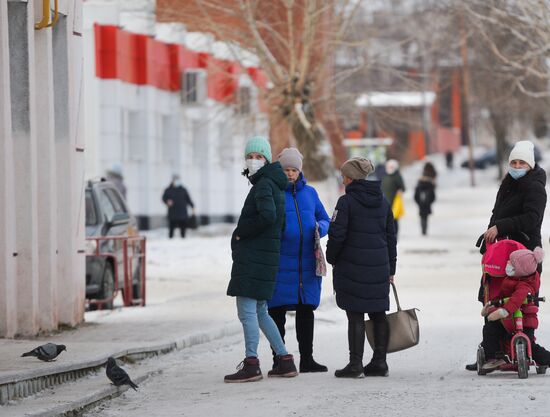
253 316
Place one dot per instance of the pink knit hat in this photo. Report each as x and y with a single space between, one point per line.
525 261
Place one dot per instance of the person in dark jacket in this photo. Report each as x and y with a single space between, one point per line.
177 199
298 287
392 183
362 249
424 195
255 246
518 214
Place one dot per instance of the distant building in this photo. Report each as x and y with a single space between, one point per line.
161 101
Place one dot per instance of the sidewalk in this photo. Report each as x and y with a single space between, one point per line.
186 305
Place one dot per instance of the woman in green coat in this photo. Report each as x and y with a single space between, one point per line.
255 247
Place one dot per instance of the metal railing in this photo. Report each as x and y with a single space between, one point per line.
137 244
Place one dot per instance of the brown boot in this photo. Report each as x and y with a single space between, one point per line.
248 371
284 367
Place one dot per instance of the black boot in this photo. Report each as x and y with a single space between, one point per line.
540 355
471 366
378 366
356 341
305 319
308 364
284 367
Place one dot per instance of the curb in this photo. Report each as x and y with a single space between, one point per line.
77 407
21 385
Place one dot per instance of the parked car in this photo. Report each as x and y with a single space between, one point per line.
107 215
489 158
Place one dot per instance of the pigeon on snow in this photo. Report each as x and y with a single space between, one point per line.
117 375
47 352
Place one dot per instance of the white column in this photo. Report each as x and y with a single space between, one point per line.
46 181
22 73
8 288
70 175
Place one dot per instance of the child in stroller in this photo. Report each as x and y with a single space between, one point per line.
512 310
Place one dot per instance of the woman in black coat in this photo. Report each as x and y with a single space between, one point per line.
362 249
424 195
518 213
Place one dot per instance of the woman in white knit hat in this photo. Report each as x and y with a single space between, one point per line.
518 213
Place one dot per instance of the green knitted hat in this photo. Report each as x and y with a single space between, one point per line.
260 145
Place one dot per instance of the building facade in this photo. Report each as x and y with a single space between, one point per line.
41 166
161 101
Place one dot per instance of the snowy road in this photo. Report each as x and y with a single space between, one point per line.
439 275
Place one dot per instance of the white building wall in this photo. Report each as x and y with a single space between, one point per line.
41 156
153 135
8 278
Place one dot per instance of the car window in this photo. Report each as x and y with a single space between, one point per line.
106 204
91 214
118 204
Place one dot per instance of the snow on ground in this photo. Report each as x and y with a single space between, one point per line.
438 274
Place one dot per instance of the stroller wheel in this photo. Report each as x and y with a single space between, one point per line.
480 361
541 370
521 356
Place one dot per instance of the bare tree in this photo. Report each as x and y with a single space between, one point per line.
510 44
295 41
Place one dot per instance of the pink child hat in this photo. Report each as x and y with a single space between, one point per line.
525 262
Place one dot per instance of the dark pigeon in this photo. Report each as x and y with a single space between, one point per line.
117 375
47 352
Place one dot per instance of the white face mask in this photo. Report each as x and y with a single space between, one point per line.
510 270
254 165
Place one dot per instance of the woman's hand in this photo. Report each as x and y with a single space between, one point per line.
491 234
392 279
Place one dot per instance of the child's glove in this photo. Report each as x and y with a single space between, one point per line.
485 310
498 314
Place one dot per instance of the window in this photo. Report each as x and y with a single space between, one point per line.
244 99
106 205
193 87
116 201
135 129
91 213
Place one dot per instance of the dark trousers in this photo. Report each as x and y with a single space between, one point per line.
494 334
173 224
356 335
304 326
354 317
424 224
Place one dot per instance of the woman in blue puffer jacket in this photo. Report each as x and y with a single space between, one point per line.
297 286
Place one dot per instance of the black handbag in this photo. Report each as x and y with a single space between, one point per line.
191 222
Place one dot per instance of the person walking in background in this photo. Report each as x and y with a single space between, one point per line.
362 249
424 194
449 157
255 246
177 199
392 184
298 286
114 175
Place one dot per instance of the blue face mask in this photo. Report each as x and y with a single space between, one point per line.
517 173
